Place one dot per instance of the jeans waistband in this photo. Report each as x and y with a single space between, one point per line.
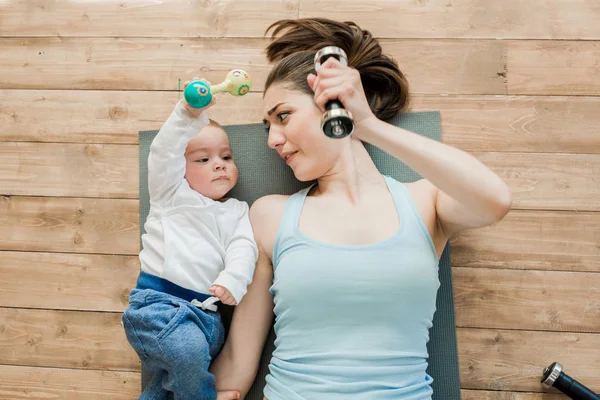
149 281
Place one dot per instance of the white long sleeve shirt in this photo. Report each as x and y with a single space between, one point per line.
192 240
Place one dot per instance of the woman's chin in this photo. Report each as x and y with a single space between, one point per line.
303 176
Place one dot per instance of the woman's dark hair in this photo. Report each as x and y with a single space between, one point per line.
385 85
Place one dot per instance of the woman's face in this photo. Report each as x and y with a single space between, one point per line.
293 122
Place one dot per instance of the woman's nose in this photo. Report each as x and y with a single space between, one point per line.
276 137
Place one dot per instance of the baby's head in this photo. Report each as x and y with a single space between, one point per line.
210 169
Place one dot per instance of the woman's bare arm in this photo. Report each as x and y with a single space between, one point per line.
237 364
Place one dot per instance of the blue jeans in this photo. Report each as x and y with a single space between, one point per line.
176 341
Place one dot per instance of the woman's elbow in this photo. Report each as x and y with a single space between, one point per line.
502 203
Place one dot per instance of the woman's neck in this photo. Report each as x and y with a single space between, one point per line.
353 175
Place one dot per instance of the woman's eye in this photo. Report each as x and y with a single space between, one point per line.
267 128
282 115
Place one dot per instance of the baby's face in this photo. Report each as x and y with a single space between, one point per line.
210 169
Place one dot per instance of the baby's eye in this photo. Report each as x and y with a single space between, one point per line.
202 160
227 158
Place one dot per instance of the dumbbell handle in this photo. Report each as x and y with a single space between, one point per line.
554 376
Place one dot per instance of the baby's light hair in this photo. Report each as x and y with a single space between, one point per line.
215 124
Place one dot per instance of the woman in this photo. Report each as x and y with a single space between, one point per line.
349 265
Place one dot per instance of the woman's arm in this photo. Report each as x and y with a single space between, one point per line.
469 194
237 364
465 192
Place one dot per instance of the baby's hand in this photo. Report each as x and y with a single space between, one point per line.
228 395
196 111
223 294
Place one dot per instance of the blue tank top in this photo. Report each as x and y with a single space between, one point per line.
352 321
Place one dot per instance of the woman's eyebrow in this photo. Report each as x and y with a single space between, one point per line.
271 111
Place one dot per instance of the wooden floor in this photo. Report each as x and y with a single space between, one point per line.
517 83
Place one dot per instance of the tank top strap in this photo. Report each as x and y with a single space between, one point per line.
290 219
407 209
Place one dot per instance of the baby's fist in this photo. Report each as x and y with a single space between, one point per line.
229 395
196 111
223 294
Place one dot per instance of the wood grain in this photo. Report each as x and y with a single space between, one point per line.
472 123
517 123
536 19
69 225
450 66
66 281
536 180
18 383
126 63
66 339
58 169
432 66
551 394
113 117
145 18
531 300
385 18
542 240
511 360
554 67
549 181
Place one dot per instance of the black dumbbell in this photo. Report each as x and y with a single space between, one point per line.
553 376
336 122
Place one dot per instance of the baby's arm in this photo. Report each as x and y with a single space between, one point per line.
240 257
166 163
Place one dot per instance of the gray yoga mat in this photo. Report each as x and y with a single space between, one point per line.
263 172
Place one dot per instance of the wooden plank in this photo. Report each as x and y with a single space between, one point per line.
450 66
18 383
110 226
58 169
104 116
472 123
66 281
532 300
434 66
552 394
537 19
512 360
146 18
66 339
69 225
553 68
549 181
129 64
517 123
536 180
542 240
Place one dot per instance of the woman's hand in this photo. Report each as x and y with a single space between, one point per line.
336 81
196 111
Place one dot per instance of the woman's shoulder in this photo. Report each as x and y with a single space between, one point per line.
268 206
266 214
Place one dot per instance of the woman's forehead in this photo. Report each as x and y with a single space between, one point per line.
274 94
278 94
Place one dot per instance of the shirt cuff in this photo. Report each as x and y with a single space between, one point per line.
235 287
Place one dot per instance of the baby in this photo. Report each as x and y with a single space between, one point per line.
198 249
